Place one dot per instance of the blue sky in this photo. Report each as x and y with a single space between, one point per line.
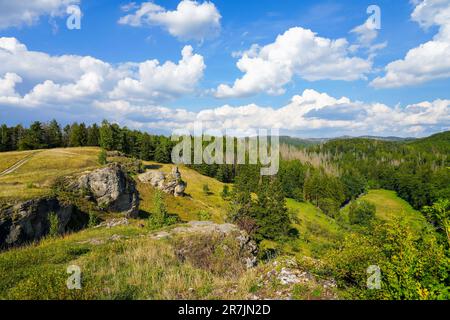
341 97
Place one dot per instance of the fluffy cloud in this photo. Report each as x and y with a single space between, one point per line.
430 60
39 66
311 113
296 52
190 21
156 82
8 84
70 78
18 13
133 94
367 34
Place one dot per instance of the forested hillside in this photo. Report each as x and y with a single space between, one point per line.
108 136
336 208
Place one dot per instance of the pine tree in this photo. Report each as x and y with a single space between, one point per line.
106 136
83 135
4 138
54 134
33 137
270 211
93 136
75 135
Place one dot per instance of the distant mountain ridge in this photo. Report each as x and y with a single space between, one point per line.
305 142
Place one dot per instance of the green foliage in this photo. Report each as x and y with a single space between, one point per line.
292 176
160 216
319 185
102 157
53 222
109 136
93 219
439 215
225 194
206 190
328 206
204 215
361 212
411 267
354 184
270 211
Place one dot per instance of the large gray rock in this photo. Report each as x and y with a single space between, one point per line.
170 184
28 221
112 189
247 247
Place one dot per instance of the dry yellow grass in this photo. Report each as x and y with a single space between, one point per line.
188 208
7 159
36 175
134 266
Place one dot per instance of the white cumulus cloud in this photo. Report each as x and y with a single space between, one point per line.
298 52
190 21
430 60
312 114
72 78
19 13
154 81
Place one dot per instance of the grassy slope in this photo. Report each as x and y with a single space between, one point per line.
196 201
389 206
133 266
35 177
7 159
317 230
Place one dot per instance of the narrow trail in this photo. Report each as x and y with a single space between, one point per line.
18 164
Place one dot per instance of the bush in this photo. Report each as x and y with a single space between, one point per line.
53 224
361 212
160 216
93 220
103 157
297 194
206 190
203 215
412 266
329 206
225 192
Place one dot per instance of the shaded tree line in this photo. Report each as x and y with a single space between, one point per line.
107 136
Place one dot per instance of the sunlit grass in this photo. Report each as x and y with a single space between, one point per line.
36 176
390 206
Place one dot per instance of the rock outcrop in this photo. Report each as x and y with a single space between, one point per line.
246 248
111 188
28 221
170 184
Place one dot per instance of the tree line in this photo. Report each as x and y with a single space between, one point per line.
109 136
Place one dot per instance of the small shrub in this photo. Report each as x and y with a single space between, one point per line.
203 215
297 194
361 212
206 190
93 220
328 206
53 224
225 194
160 216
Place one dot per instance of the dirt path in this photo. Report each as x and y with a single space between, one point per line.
18 164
